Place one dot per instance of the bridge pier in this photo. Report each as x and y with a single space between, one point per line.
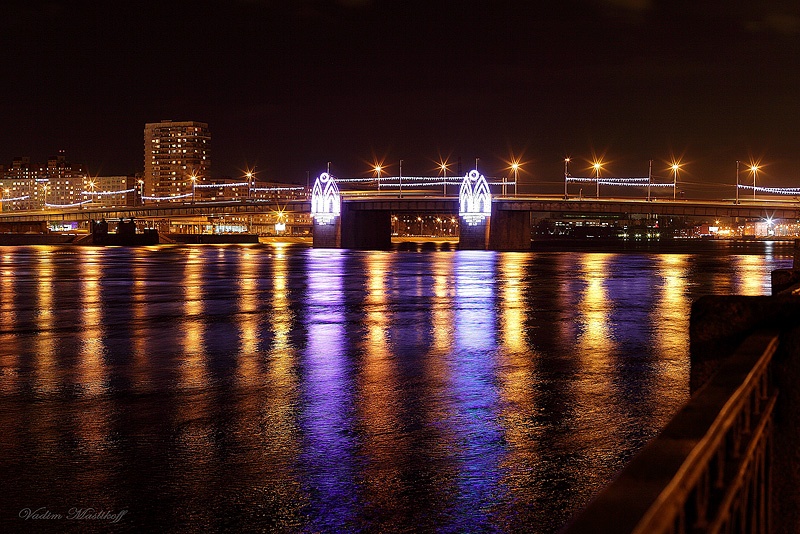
328 235
510 230
365 230
473 236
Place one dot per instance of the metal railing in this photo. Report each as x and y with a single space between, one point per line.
709 470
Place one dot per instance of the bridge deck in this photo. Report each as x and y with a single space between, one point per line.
431 204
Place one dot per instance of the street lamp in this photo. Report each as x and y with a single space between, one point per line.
754 170
443 167
193 177
515 168
419 219
400 177
91 191
378 170
141 191
249 175
566 174
675 167
597 165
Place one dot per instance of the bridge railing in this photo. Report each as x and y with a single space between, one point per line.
728 461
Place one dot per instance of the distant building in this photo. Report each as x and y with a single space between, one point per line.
174 153
110 191
22 182
65 181
34 186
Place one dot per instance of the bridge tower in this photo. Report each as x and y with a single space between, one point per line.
326 210
475 210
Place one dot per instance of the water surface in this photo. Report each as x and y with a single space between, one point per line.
288 389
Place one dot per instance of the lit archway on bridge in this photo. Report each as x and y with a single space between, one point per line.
475 199
326 202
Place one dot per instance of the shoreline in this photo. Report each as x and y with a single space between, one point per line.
425 243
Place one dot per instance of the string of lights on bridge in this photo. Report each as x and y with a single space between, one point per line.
425 180
623 182
157 198
430 181
772 190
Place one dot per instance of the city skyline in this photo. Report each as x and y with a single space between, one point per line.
286 89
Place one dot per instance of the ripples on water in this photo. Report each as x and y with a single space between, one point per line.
274 388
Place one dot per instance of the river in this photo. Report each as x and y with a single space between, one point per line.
282 388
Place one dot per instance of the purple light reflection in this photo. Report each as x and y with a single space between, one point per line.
327 398
475 402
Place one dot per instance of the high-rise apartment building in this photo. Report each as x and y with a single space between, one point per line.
176 156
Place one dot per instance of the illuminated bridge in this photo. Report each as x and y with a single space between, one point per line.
362 218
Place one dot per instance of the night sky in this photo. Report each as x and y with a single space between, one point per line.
290 85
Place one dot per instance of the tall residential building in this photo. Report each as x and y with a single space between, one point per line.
174 153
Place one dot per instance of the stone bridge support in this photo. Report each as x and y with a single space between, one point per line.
365 230
328 235
473 236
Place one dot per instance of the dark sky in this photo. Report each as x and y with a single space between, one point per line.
289 85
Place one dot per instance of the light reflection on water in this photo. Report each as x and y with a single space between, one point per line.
275 388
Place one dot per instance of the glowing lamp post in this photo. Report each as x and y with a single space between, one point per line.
249 175
400 178
675 167
378 170
91 191
141 191
566 176
597 165
515 168
754 170
443 167
194 186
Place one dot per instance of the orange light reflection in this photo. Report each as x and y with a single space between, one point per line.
9 356
44 374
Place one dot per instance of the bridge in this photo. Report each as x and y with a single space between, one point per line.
361 219
426 203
